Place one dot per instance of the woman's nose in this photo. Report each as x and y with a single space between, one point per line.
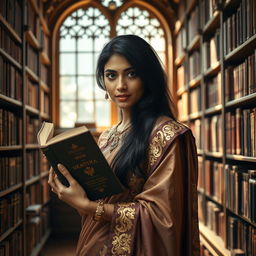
121 84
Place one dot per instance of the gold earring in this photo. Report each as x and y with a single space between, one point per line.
106 96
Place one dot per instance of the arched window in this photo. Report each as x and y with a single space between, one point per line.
138 21
82 36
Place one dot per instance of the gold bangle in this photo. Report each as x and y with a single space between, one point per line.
99 211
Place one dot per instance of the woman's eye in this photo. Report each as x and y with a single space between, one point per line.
110 75
132 74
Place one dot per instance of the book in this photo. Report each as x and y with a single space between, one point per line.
77 150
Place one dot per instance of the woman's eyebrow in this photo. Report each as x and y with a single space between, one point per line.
112 70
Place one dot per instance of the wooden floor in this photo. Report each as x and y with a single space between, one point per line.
60 246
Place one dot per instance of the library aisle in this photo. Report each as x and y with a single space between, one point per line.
48 53
53 248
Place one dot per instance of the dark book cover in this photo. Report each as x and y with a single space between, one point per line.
86 163
232 231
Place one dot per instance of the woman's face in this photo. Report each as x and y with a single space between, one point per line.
123 85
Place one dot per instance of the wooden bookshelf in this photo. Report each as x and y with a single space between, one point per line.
212 43
20 120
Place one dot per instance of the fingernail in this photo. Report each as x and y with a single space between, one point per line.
60 166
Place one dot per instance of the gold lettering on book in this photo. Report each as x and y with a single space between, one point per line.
80 157
74 146
89 171
74 149
84 164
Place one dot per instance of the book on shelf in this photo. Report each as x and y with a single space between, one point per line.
239 26
12 245
241 236
240 132
77 150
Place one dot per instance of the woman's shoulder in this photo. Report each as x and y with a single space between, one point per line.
168 126
164 134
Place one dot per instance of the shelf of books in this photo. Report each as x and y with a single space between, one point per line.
24 104
216 92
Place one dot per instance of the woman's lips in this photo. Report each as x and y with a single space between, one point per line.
122 98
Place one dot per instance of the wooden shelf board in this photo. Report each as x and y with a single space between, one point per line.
11 59
44 174
213 70
242 51
195 43
44 86
32 40
241 158
32 146
178 26
9 231
200 190
10 29
195 115
213 110
212 24
248 99
32 110
31 74
44 58
199 152
214 199
39 246
10 101
195 82
214 241
182 21
44 116
214 154
43 23
32 180
179 60
181 91
242 217
10 148
208 246
9 190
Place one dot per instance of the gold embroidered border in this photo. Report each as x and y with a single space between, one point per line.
159 141
121 243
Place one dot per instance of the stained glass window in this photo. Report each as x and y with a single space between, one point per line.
141 22
82 36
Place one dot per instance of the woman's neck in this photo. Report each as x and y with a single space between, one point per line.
126 119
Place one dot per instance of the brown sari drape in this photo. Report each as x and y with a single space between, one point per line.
156 216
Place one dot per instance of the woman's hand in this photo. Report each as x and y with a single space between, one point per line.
74 195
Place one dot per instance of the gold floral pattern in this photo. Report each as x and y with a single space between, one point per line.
161 138
121 243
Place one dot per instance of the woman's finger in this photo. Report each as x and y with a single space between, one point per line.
66 173
51 180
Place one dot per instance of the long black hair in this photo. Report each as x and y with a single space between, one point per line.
155 102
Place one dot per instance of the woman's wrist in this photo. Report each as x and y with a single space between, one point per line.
90 208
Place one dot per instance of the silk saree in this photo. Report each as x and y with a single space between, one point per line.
157 215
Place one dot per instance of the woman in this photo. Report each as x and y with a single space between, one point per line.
153 156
